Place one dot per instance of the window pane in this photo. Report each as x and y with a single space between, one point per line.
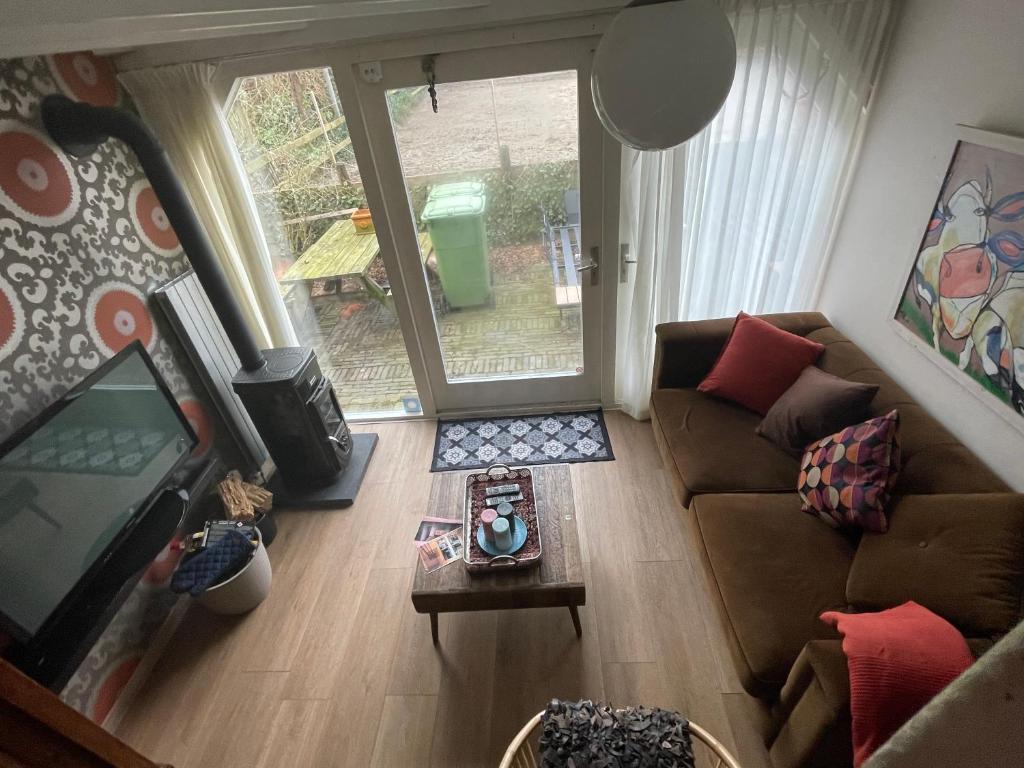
493 182
291 133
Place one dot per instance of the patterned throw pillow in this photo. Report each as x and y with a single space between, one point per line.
846 478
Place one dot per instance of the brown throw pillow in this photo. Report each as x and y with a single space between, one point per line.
817 404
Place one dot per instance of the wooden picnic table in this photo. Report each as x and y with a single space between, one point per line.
341 253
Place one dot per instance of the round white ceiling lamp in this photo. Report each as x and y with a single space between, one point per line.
663 70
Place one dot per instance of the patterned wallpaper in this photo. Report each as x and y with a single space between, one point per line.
82 243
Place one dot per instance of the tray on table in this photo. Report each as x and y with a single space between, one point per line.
474 557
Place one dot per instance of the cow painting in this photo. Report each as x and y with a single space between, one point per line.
965 295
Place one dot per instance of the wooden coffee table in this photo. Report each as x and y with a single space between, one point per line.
557 581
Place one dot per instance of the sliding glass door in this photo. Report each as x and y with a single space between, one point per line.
448 258
494 201
493 182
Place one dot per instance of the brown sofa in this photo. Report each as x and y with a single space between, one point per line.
955 544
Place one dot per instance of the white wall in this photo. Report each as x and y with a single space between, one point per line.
950 62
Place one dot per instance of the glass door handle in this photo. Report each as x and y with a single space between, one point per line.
593 267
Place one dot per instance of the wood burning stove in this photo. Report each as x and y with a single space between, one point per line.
290 401
306 431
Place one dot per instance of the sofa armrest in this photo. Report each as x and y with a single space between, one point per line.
812 716
685 352
812 725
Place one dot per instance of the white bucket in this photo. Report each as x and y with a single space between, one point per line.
246 589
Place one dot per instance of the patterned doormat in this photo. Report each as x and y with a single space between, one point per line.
551 438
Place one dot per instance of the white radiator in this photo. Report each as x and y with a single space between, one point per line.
191 315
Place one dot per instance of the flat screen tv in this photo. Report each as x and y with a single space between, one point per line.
77 478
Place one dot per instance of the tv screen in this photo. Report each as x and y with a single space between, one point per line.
73 479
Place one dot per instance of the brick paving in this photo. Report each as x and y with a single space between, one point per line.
360 344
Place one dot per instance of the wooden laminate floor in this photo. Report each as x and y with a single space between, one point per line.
336 669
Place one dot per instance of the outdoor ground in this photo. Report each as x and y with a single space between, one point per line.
535 116
360 347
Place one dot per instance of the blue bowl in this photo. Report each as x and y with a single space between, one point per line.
518 539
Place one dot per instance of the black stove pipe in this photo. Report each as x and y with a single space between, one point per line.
80 128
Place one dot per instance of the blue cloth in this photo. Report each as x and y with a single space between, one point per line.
213 565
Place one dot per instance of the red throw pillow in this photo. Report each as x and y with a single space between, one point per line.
847 478
759 363
898 660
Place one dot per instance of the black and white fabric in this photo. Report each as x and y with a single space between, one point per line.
553 438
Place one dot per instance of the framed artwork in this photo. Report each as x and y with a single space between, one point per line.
963 301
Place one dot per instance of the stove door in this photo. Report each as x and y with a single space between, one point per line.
326 412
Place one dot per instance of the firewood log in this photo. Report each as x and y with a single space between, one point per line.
242 499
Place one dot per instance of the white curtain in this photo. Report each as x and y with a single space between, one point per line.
740 217
179 105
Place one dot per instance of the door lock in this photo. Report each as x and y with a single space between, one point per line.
593 267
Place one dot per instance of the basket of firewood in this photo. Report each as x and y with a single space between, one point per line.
248 503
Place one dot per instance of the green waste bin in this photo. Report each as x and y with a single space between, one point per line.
454 215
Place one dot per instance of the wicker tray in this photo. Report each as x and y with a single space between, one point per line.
529 554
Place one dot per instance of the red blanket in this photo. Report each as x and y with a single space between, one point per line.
898 659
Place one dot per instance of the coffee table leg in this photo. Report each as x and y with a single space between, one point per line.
575 612
433 626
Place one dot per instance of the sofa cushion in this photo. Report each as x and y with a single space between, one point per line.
817 404
933 460
776 570
961 556
713 447
758 363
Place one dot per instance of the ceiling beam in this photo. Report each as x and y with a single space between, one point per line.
357 31
29 28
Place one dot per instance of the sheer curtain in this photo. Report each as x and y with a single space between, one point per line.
179 105
740 217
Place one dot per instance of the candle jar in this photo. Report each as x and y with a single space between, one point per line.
487 519
507 512
502 535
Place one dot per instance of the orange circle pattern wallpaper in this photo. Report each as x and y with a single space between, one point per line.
83 242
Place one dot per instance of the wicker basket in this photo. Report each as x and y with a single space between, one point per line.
521 754
478 561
